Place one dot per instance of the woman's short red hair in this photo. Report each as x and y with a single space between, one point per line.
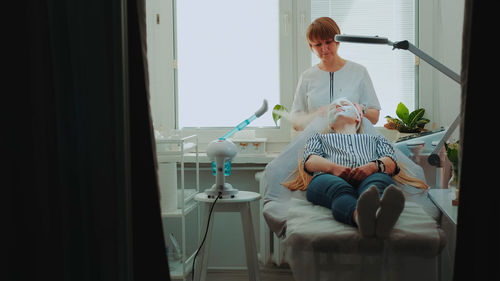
323 28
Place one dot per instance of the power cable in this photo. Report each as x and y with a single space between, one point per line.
205 236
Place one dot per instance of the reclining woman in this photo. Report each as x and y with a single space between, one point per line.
351 173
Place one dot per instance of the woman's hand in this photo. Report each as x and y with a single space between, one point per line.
371 114
362 172
316 163
340 171
359 107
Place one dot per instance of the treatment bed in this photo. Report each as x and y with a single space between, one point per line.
317 247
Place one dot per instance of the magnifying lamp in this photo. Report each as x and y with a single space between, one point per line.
405 45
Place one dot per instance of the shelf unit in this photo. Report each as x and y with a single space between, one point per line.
173 150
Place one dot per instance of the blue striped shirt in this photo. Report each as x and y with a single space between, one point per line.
351 150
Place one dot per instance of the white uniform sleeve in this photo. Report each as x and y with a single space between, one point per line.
368 95
300 99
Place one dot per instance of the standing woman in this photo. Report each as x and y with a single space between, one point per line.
332 78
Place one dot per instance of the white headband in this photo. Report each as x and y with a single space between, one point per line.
343 102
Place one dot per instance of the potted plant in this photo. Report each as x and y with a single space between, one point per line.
452 151
407 122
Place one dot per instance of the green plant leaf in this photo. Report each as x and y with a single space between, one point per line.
421 123
389 119
403 113
452 153
415 116
277 116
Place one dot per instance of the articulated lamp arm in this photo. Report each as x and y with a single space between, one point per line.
405 45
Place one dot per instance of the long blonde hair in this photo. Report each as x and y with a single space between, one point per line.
403 178
299 179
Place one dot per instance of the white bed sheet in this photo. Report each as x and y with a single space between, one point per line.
320 248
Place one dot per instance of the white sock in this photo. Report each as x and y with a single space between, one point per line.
366 208
391 206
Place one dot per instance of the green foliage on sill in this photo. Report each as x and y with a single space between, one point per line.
407 122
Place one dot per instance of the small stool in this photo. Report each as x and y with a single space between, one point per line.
241 203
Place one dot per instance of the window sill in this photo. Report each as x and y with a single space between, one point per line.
203 158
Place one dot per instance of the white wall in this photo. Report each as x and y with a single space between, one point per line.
440 36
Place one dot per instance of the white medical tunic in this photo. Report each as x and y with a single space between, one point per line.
317 88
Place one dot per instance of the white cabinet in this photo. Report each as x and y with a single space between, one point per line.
443 198
180 212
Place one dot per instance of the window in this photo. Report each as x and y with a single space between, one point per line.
228 61
392 71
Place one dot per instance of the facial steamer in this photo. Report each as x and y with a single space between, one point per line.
221 152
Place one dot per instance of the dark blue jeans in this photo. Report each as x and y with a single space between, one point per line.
340 196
